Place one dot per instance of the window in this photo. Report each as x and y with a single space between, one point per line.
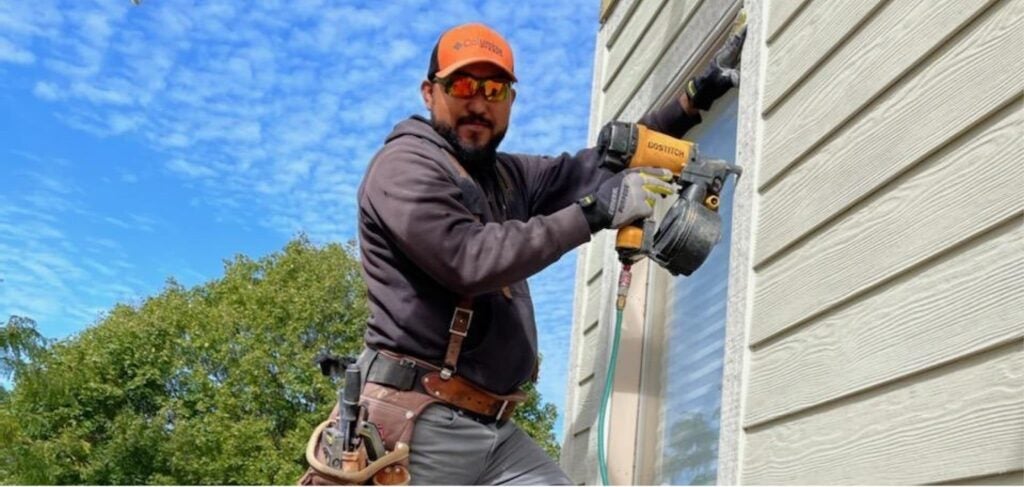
691 359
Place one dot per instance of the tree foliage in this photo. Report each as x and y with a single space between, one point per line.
209 385
19 341
537 419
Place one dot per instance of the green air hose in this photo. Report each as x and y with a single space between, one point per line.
625 276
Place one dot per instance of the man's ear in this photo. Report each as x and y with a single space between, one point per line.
426 89
513 95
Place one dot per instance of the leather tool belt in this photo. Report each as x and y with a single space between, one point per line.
406 373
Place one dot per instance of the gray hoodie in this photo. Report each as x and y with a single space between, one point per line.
428 236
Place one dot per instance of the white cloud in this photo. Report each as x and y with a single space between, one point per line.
97 243
95 28
400 51
173 140
114 93
121 122
28 230
189 169
135 223
11 53
25 19
47 91
51 183
99 268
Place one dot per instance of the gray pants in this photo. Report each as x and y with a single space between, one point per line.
451 449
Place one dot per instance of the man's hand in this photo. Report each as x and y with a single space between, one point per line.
721 75
625 197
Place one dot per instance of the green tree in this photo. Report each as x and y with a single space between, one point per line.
19 341
211 384
537 419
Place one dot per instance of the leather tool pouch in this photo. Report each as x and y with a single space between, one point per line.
394 411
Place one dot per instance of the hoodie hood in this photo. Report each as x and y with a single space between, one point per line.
421 128
418 126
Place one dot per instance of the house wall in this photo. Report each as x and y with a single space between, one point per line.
875 329
883 314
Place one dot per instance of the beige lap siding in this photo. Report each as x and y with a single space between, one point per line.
886 306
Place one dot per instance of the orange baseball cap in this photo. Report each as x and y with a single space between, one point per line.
467 44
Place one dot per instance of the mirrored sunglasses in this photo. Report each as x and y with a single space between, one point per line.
465 86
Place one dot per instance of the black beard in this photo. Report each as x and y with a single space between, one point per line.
470 156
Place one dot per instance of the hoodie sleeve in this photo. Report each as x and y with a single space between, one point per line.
418 204
671 119
552 183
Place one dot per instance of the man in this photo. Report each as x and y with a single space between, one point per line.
449 231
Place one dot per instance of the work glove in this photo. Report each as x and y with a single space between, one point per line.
625 197
721 75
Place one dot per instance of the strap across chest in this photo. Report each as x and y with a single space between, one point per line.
463 315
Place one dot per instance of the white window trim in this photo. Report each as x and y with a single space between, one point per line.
741 274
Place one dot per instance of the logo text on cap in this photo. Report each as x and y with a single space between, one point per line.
483 43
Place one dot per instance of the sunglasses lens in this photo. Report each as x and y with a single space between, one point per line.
462 87
495 90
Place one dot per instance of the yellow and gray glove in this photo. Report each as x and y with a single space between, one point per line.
625 197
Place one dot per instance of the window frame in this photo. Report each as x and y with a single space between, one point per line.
634 407
663 294
647 445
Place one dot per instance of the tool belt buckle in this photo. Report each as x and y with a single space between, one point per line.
501 410
460 322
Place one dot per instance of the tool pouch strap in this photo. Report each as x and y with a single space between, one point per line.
463 314
457 331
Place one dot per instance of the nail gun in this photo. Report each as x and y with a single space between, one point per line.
692 226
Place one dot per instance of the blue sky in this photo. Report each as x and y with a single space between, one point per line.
140 143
